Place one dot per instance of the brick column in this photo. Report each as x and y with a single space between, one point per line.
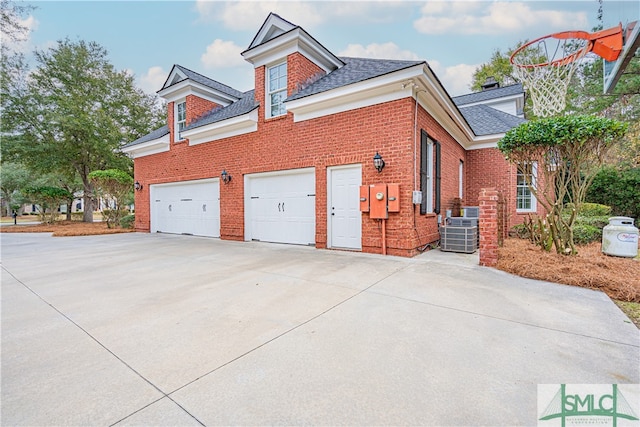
488 201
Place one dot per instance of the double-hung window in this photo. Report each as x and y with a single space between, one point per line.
526 177
276 89
181 117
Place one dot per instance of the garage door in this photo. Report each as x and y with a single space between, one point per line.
190 207
281 207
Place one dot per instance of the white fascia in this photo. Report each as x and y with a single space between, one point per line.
485 141
234 126
189 87
155 146
357 95
498 100
294 41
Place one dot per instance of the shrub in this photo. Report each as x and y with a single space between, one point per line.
594 209
618 189
127 221
585 233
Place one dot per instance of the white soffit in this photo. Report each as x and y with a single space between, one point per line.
295 40
155 146
234 126
189 87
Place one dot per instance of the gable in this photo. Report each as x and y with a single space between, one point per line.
271 28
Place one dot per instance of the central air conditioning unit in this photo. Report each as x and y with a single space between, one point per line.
471 212
459 239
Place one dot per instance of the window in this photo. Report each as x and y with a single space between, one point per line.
525 201
460 180
276 89
426 173
181 117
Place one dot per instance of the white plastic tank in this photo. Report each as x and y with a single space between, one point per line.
620 237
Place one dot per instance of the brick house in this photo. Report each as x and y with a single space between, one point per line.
286 162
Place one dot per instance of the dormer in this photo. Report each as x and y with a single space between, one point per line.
285 58
189 95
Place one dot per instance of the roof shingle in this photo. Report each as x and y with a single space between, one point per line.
486 95
485 120
158 133
355 70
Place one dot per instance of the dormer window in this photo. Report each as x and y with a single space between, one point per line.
181 116
276 89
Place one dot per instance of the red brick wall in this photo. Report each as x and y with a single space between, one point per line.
345 138
197 106
487 167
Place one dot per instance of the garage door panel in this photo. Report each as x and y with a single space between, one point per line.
186 208
282 208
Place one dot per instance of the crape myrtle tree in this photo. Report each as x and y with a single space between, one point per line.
72 113
568 152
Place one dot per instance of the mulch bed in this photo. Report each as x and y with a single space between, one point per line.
617 277
66 228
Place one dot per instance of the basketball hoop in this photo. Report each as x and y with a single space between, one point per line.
545 65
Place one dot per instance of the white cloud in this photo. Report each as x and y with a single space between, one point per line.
249 15
497 18
222 54
387 50
153 79
456 78
22 45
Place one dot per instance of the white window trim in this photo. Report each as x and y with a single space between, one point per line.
534 178
461 180
268 93
430 179
176 128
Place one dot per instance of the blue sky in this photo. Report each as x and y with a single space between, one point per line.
148 37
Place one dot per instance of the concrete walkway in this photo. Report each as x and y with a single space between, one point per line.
151 329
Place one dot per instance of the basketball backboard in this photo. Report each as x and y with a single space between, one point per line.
613 70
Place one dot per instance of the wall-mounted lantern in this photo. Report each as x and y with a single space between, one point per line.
226 178
378 162
137 186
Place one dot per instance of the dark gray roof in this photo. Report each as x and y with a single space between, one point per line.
244 105
485 95
355 70
485 120
203 80
158 133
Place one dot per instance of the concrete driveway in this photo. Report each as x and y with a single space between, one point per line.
151 329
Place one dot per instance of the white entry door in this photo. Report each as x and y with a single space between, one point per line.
345 219
281 207
190 207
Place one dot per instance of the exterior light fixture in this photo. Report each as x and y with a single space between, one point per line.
137 186
226 178
378 162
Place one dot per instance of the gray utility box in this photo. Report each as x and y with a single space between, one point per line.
459 239
462 222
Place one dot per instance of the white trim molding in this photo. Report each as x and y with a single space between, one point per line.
155 146
234 126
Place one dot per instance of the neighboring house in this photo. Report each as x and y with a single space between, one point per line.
295 151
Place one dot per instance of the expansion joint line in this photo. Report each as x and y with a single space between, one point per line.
87 333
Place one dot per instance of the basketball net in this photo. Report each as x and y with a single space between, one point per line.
545 65
545 69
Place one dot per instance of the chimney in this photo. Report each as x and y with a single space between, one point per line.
490 83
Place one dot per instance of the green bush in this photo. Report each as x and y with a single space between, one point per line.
585 233
594 209
619 189
594 221
127 221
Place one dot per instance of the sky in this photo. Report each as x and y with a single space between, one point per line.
454 37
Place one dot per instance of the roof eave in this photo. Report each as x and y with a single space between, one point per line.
233 126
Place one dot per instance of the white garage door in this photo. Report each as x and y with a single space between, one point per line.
281 207
190 207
